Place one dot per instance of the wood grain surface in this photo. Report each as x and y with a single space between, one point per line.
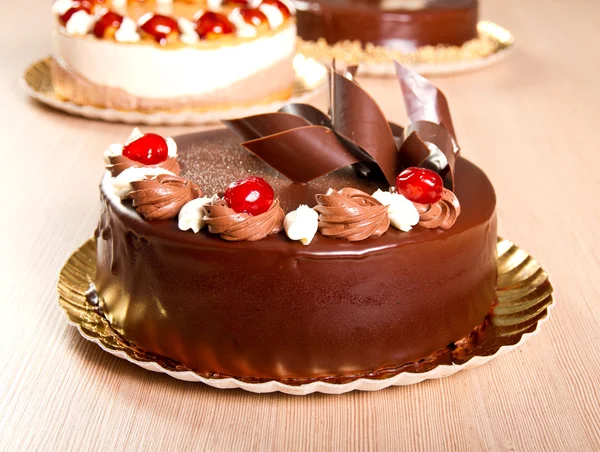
530 122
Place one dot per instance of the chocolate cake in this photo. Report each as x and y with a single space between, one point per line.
246 297
401 25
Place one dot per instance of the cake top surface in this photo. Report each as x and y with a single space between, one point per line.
214 158
348 174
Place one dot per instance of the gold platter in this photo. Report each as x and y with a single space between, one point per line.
310 77
524 296
492 44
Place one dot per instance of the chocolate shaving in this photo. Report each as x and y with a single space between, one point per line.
357 117
289 151
430 146
423 100
258 126
303 143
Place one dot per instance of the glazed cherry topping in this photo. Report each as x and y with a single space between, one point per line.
149 149
160 27
236 2
211 25
252 195
110 21
253 17
420 185
79 6
285 11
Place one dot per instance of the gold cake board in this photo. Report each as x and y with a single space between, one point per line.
523 291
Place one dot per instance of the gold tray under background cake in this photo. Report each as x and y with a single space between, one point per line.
310 77
492 45
524 297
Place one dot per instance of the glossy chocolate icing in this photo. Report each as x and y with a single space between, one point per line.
275 309
401 24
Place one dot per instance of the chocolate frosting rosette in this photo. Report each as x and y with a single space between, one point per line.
162 197
351 214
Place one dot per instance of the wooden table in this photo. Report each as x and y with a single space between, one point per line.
530 122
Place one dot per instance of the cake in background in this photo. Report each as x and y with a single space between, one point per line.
430 36
395 24
181 55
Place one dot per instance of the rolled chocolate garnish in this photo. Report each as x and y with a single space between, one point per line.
429 145
259 126
289 152
423 100
162 197
232 226
303 143
351 214
357 117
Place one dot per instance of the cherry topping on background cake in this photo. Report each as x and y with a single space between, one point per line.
109 22
236 2
420 185
160 27
149 149
285 11
211 25
254 17
79 6
252 195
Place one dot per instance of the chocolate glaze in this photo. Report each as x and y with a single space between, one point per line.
275 309
397 26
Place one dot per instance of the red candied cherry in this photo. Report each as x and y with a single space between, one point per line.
420 185
149 149
78 6
285 11
254 17
160 27
211 25
252 195
110 22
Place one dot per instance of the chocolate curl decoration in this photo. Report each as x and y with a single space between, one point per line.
357 118
430 146
430 139
423 100
303 143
